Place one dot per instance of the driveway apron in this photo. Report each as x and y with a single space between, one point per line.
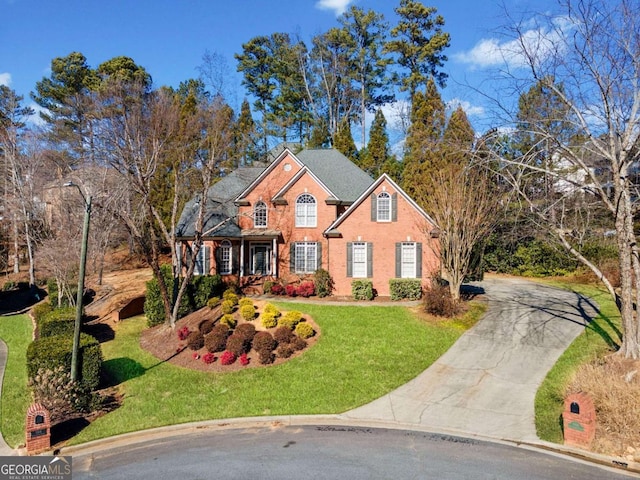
485 384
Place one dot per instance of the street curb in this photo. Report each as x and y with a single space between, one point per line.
274 422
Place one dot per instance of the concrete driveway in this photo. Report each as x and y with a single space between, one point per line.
486 383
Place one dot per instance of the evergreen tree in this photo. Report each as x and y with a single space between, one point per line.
376 155
247 144
343 141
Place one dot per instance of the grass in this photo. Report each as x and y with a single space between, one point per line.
600 337
16 332
363 353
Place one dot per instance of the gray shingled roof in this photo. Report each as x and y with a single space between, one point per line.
220 205
344 178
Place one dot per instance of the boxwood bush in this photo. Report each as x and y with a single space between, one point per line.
48 353
60 321
405 288
362 290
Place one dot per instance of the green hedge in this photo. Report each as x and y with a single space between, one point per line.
405 288
50 352
362 290
60 321
198 293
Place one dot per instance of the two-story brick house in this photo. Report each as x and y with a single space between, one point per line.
310 210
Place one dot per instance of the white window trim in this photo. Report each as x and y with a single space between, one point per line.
363 264
302 252
201 261
226 264
408 270
306 220
383 198
263 207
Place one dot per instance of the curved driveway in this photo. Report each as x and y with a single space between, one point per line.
486 383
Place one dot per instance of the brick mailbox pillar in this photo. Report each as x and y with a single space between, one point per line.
579 420
38 429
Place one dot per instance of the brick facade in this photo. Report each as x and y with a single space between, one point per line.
579 420
38 429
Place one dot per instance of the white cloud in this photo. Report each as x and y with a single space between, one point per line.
35 119
470 110
338 6
533 45
5 79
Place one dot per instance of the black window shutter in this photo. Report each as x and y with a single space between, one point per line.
292 257
418 260
206 264
235 259
319 255
374 207
218 258
394 207
369 260
349 259
398 260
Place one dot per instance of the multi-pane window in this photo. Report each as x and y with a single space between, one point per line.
408 260
306 257
225 263
384 207
260 215
306 212
202 261
359 260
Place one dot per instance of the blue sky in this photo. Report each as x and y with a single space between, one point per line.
169 38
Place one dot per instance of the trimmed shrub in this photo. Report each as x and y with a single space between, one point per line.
283 335
306 289
231 296
40 310
267 286
269 320
362 290
238 344
206 326
248 312
323 283
227 307
290 319
266 357
277 289
304 330
228 358
291 290
298 343
264 342
66 300
246 330
405 288
208 358
201 289
213 302
60 321
285 350
221 328
183 333
62 397
271 308
244 360
245 301
195 340
49 353
228 320
216 341
438 301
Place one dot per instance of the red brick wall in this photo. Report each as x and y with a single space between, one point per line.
411 226
40 442
579 428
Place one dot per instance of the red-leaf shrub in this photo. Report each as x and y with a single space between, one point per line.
285 351
246 330
283 334
306 289
291 290
216 341
183 333
277 289
227 358
298 343
264 341
244 360
196 356
206 326
195 340
266 357
208 358
238 344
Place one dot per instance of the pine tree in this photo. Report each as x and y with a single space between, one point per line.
374 158
343 141
247 144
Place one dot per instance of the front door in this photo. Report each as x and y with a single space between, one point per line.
261 259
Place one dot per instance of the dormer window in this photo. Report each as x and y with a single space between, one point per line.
384 207
260 215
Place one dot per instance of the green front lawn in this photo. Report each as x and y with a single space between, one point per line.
363 353
599 338
16 331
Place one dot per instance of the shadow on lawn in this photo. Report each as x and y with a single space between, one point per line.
119 370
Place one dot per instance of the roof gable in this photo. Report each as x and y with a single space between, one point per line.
383 178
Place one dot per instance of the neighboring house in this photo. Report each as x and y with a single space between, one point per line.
311 210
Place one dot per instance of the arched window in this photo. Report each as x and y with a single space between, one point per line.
384 207
306 212
260 215
225 260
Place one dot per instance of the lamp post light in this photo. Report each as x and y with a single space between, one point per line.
79 298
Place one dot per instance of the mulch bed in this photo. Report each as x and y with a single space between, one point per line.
163 343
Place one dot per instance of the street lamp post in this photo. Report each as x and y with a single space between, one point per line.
79 298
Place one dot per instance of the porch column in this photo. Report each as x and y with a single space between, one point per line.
274 248
241 257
